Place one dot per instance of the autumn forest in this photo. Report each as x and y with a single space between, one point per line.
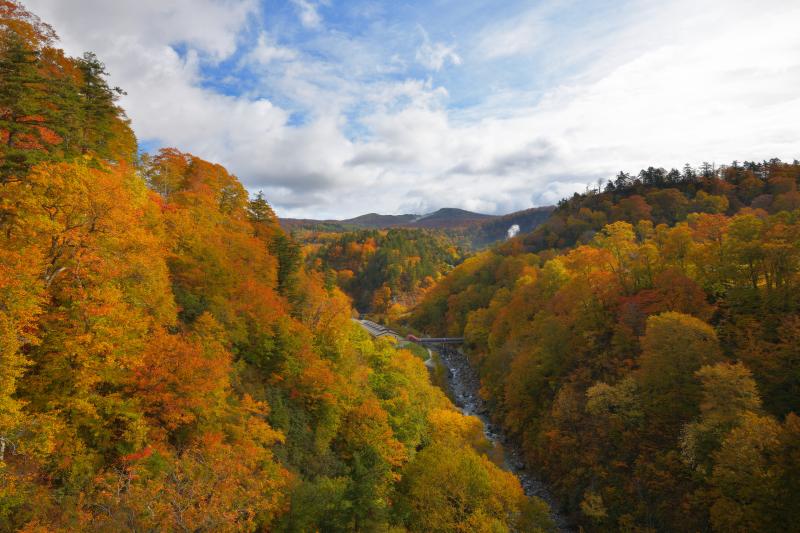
173 359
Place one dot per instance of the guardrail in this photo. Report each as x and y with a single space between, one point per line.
441 340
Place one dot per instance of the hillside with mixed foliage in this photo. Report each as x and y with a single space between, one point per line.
386 272
668 197
643 347
167 363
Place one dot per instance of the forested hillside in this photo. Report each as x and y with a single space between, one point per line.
643 347
386 272
167 363
667 197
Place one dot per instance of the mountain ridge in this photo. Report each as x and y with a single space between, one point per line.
475 229
444 218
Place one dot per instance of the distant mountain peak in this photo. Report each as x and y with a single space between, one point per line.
450 217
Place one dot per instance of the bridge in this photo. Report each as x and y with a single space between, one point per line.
377 330
437 340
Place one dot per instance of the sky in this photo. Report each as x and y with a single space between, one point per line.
335 108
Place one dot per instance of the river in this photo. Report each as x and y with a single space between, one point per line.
463 383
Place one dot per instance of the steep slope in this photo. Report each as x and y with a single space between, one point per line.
385 272
651 370
489 231
166 362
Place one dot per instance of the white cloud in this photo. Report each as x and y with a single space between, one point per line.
309 15
516 35
267 51
670 83
434 55
209 26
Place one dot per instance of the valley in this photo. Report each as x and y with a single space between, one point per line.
462 385
177 356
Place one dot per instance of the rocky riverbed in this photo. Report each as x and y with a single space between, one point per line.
463 383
